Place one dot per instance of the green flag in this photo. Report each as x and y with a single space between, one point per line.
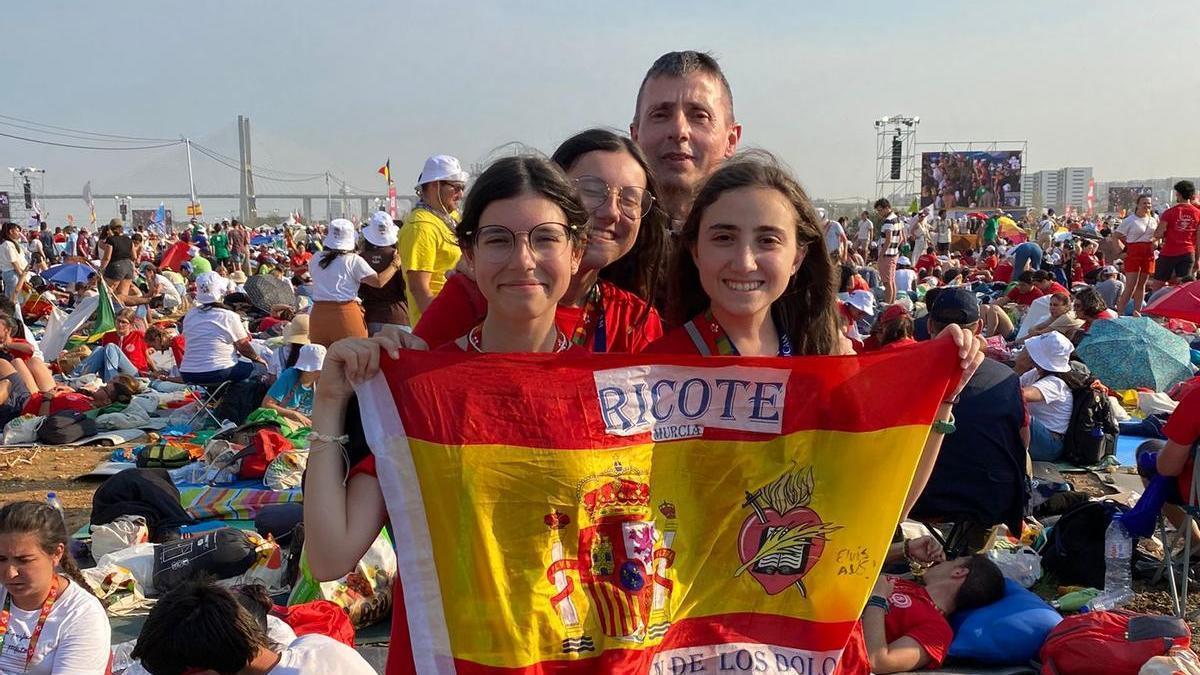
106 318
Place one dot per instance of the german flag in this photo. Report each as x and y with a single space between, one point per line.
642 514
386 171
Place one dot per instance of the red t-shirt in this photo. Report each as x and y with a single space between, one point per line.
926 262
177 347
22 356
70 401
913 615
1055 287
1003 272
268 323
1087 262
1014 294
134 346
1183 428
459 307
991 263
1180 236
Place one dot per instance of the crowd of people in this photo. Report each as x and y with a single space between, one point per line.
666 241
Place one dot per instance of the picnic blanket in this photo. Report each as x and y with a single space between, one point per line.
237 501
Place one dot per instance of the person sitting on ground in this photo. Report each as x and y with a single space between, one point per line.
52 622
222 636
1090 307
894 329
161 339
1062 319
1109 285
904 626
906 278
1175 457
22 354
292 394
1044 282
215 336
279 317
1047 395
1024 292
130 340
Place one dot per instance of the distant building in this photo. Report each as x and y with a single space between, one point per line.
1058 189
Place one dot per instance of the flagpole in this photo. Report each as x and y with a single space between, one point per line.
191 181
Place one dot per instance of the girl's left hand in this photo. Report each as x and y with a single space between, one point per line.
970 353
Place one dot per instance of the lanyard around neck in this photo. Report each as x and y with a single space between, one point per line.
6 618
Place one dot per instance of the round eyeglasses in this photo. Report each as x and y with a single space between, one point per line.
547 241
633 201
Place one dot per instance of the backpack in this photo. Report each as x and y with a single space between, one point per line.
65 427
1092 432
1074 550
264 447
1121 640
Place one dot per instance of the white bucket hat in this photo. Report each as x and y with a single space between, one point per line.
442 167
311 358
381 231
1051 352
341 236
211 287
863 301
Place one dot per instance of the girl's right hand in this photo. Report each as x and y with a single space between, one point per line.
352 361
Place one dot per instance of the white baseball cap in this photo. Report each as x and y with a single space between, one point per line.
381 231
1051 352
863 301
442 167
311 358
341 235
211 287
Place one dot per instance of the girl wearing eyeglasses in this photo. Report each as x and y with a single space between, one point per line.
606 307
522 237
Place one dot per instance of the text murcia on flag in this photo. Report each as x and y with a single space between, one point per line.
679 401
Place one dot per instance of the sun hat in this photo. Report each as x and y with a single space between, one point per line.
341 236
1108 269
311 358
296 332
863 301
238 276
1051 352
380 231
210 287
193 251
441 167
903 260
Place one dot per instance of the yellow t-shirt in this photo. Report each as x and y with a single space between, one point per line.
426 244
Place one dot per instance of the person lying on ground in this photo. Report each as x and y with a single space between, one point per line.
222 636
904 626
121 389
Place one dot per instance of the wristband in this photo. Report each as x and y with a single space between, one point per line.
880 602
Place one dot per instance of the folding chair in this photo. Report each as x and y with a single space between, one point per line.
1191 517
209 402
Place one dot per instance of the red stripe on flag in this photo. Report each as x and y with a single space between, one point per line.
499 395
796 634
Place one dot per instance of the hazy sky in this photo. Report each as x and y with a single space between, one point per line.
345 85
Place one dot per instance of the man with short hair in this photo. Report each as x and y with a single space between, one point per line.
904 625
892 231
835 236
865 229
683 120
1109 286
1179 230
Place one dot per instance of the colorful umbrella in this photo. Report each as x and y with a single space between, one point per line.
1181 302
68 273
1129 352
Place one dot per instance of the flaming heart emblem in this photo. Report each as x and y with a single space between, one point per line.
783 539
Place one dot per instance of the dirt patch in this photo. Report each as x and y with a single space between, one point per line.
52 470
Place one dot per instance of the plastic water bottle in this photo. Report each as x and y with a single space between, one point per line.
1118 580
52 500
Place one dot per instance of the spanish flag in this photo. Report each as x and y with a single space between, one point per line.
386 171
643 514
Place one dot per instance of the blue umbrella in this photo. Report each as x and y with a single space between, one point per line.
68 273
1129 352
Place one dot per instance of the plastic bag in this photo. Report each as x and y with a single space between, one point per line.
365 593
22 429
117 588
121 533
267 569
286 471
1178 661
139 560
1022 565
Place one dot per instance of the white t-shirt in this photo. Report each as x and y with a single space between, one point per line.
1138 230
1055 411
339 282
833 236
11 258
314 653
211 334
906 280
75 639
864 229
